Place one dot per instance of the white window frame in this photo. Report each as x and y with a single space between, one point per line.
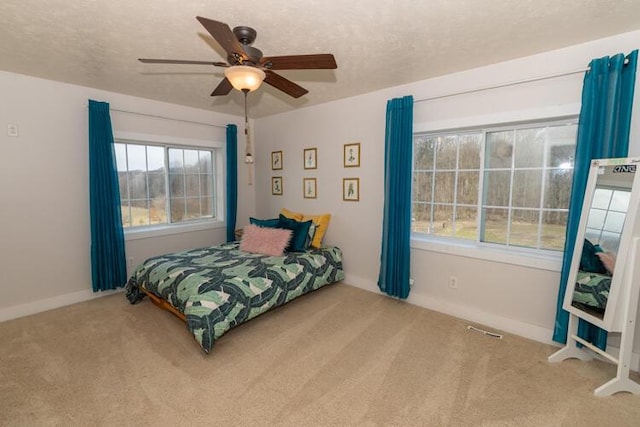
156 230
534 258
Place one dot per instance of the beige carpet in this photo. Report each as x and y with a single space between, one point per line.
339 356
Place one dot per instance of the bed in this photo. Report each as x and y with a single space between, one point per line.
216 288
591 292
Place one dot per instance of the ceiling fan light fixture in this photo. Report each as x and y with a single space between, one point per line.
244 77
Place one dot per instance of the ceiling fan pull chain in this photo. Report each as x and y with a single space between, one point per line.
248 157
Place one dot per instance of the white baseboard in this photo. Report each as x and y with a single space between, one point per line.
490 320
47 304
525 330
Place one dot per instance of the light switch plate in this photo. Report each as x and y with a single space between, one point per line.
12 130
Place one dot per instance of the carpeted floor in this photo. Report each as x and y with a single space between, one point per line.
340 356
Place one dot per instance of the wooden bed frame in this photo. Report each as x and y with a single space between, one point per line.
164 305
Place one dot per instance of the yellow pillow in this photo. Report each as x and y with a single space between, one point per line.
290 214
322 223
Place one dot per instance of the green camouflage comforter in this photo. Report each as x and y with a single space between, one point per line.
220 287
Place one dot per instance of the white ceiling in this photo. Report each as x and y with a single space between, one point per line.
377 43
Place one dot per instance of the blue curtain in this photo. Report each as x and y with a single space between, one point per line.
396 226
108 260
232 181
603 132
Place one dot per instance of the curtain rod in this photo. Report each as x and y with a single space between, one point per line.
497 86
165 117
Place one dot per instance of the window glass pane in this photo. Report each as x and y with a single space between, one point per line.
468 187
495 225
499 150
191 161
422 186
423 152
176 162
529 150
443 220
614 222
137 157
206 185
157 187
601 198
207 206
420 219
524 228
497 185
126 214
176 185
192 208
206 163
444 187
527 188
177 209
596 218
469 157
557 188
192 185
446 152
121 156
138 185
620 201
561 141
123 184
158 211
155 159
553 230
139 212
466 223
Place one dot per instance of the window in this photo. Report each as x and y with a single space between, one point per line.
606 217
506 186
165 184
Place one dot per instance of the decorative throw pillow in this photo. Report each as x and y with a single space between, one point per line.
290 214
310 235
300 232
267 241
269 223
322 223
589 261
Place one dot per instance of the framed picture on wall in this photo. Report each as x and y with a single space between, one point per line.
351 189
310 188
309 158
352 155
276 160
276 185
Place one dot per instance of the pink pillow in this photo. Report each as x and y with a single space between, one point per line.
267 241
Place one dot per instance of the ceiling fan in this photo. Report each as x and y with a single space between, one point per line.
246 68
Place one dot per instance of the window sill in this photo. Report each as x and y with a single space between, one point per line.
512 255
167 230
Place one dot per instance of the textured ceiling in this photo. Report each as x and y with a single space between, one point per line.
377 43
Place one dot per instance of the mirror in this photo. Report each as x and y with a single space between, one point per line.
597 268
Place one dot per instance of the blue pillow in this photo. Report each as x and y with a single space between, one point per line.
267 223
300 232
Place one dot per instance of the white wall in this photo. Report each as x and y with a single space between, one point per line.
44 197
497 293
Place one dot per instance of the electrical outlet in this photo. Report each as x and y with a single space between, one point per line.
411 282
12 130
130 261
453 282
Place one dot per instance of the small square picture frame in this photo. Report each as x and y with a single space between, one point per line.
309 158
351 189
276 185
352 155
309 188
276 160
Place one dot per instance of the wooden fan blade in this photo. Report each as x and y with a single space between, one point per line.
323 61
225 37
285 85
182 61
223 88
